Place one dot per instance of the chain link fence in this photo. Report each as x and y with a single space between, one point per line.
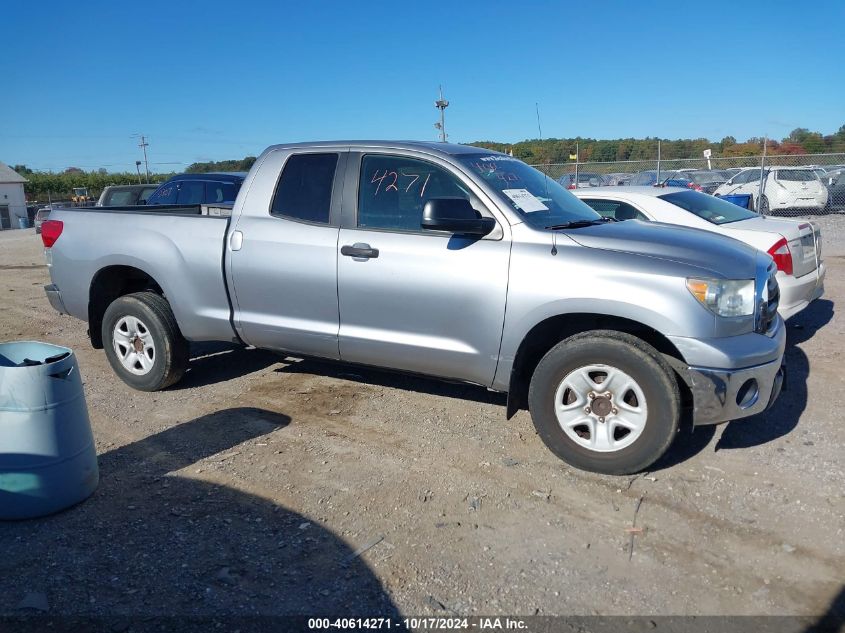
792 185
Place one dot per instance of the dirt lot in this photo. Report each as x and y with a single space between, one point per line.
249 487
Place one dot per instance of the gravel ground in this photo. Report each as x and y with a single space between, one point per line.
253 486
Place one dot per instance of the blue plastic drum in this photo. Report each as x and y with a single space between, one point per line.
740 199
48 461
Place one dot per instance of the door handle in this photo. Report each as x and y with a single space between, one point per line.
359 249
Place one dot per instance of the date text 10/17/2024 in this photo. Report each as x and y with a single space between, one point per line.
420 623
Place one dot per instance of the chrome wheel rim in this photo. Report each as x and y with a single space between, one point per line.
134 345
601 408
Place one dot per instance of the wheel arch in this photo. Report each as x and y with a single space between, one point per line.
110 283
549 332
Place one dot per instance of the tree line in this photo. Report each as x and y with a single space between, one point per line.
532 151
558 150
43 186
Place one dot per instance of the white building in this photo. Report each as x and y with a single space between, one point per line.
12 198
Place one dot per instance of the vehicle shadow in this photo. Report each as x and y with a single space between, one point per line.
396 380
783 417
151 542
832 620
778 421
212 363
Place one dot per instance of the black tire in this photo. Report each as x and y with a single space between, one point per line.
634 357
171 349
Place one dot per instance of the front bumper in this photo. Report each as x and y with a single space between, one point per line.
721 395
55 298
733 377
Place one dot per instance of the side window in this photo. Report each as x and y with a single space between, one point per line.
191 192
219 192
394 189
304 191
615 209
166 194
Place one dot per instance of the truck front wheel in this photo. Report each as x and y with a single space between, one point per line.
605 402
143 343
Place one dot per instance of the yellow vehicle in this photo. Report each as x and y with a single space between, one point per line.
80 197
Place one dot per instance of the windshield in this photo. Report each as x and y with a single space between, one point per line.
540 200
714 210
796 175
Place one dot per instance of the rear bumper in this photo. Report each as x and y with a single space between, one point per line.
797 293
54 296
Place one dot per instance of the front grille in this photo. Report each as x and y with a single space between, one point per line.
769 303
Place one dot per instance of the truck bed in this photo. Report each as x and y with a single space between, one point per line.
178 247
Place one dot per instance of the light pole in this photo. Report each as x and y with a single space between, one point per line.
441 104
138 169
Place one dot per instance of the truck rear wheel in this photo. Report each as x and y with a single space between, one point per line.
143 343
605 402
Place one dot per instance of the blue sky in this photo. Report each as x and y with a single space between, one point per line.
214 80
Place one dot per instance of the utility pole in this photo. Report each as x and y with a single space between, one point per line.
441 104
143 145
760 194
539 129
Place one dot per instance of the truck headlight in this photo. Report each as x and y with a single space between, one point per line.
724 297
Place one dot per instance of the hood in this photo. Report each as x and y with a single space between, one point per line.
722 256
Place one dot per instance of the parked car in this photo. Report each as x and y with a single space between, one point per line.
125 195
403 255
617 179
669 178
733 171
836 191
704 180
42 214
795 245
783 188
216 188
585 179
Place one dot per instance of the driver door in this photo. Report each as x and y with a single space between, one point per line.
423 301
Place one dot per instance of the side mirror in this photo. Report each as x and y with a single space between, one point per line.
455 215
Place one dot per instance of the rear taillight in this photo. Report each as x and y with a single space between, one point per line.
50 231
783 258
570 186
694 186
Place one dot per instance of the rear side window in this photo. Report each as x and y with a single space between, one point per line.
191 192
218 192
304 191
119 199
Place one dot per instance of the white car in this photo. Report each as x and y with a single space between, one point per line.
783 188
794 244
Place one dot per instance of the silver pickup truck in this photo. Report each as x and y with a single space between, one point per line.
448 261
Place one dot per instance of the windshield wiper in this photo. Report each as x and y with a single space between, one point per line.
577 224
